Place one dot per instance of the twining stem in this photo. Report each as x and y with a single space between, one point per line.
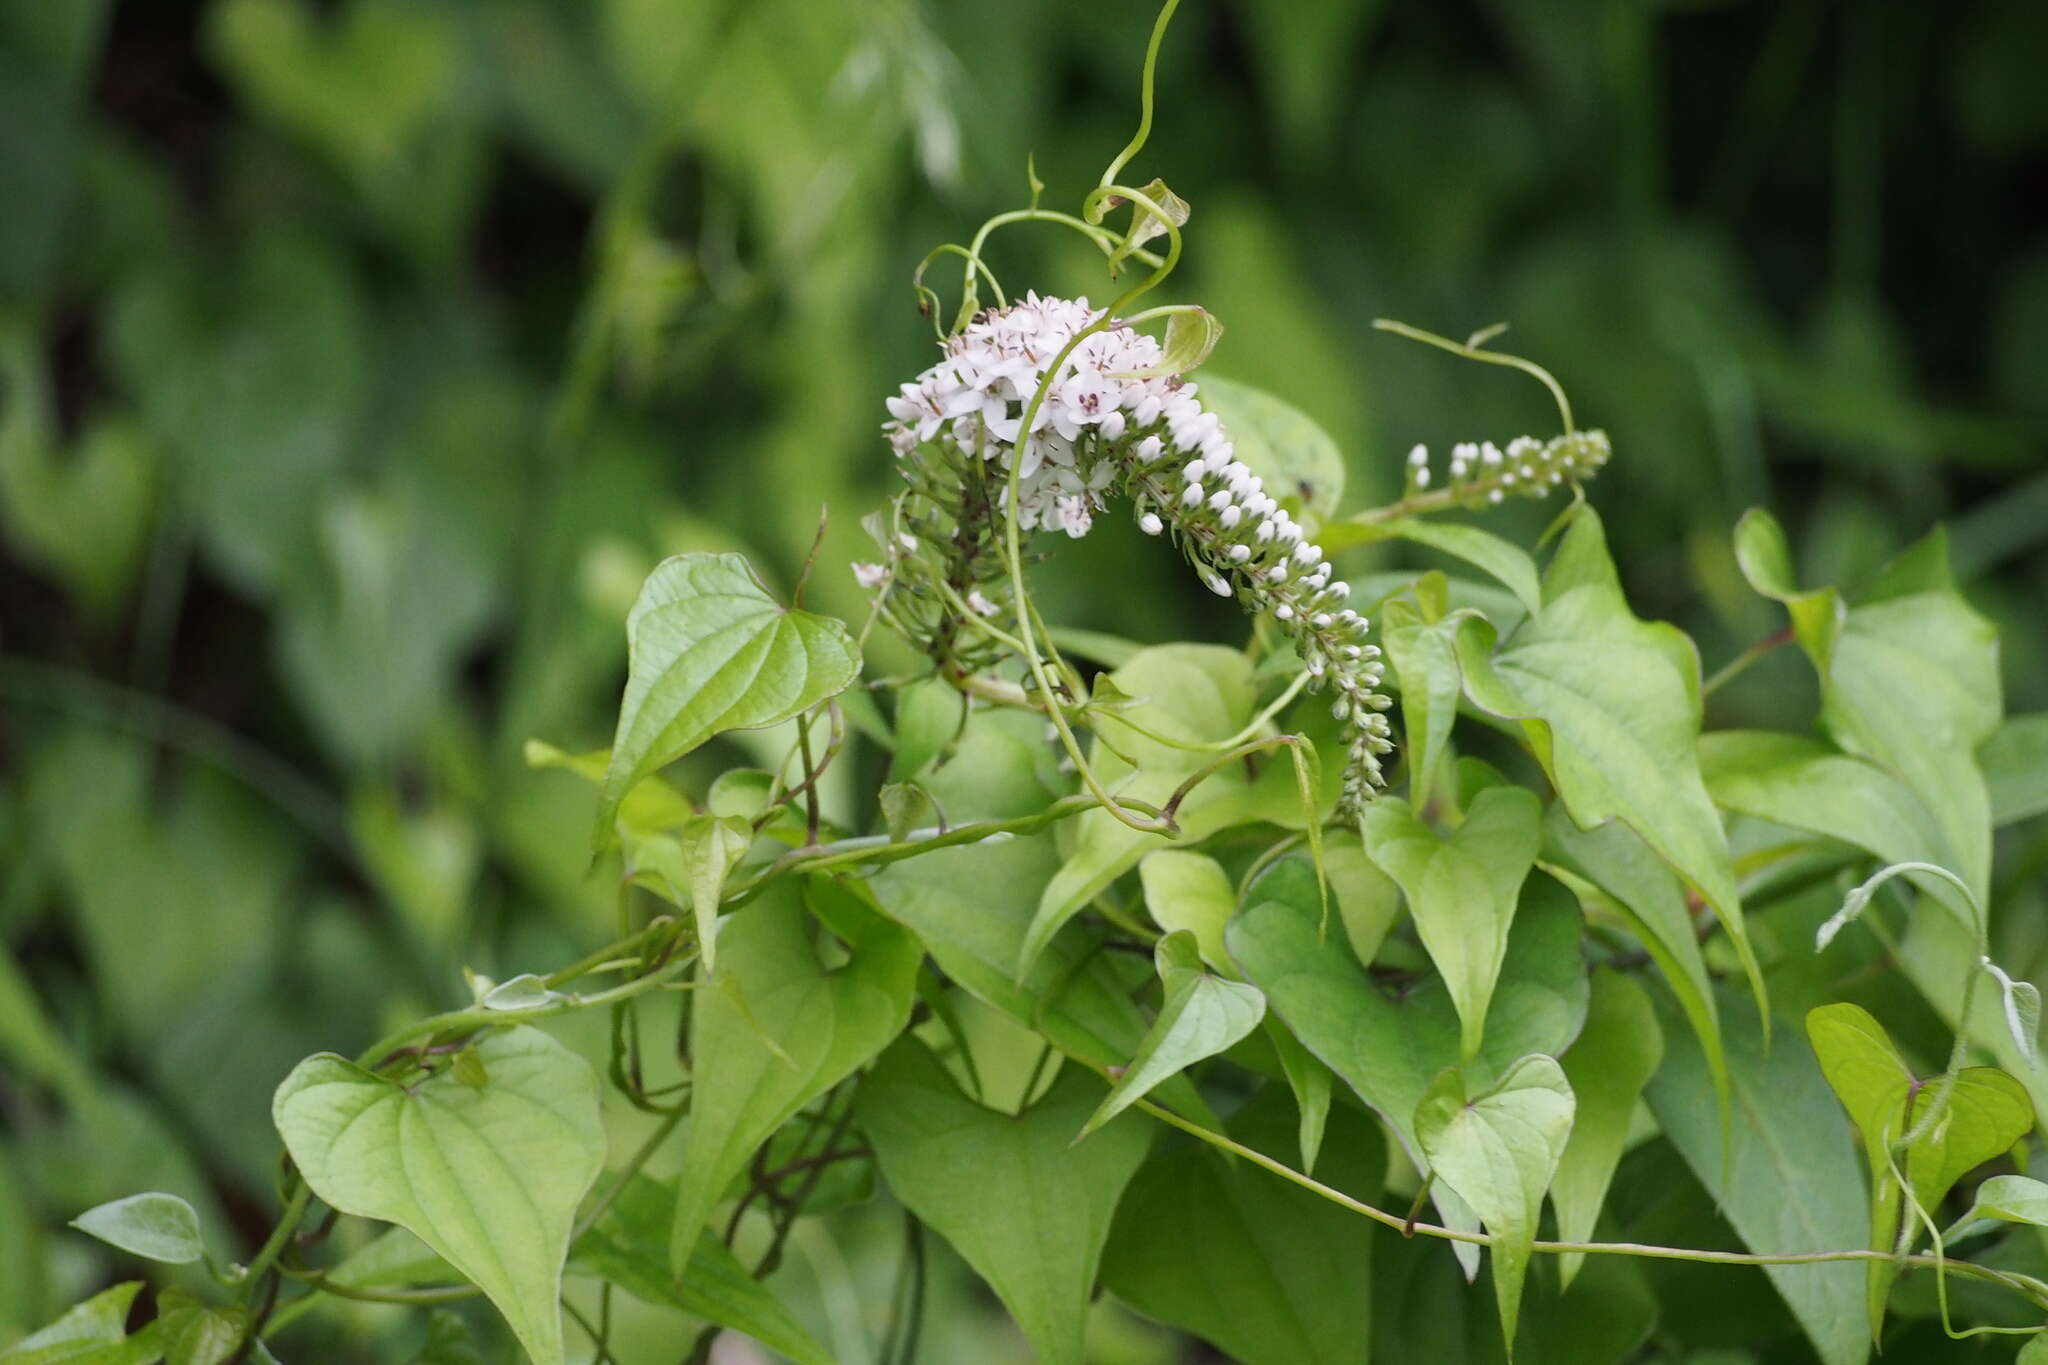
1470 350
880 848
2033 1289
1739 665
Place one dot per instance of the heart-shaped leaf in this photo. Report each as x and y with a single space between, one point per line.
709 650
1461 890
1387 1052
1203 1015
1988 1111
161 1227
1498 1150
772 1030
1019 1199
487 1176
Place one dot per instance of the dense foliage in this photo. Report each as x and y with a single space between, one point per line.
1446 922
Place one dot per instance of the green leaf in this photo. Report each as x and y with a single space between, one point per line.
1019 1199
1803 784
711 651
1389 1053
1301 465
1615 1056
772 1030
1368 901
1988 1112
1765 559
711 848
1909 680
1309 1079
197 1333
1424 654
30 1040
1190 891
1190 695
1780 1178
1499 1149
2004 1199
1503 559
2015 764
1462 890
89 1334
905 807
1266 1271
1611 706
448 1341
629 1247
1190 336
159 1227
490 1178
1613 871
1203 1014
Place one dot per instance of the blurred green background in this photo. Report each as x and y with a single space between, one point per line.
358 357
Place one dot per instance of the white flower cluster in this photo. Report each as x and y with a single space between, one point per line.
1481 472
1245 545
976 395
1107 420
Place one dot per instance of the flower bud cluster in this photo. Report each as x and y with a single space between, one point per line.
1481 473
1110 420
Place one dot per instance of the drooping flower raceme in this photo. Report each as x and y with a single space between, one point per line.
1110 420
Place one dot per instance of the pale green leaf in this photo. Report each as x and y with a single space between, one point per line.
773 1029
1611 706
1499 1149
2004 1199
1987 1113
1203 1014
489 1178
1264 1270
709 651
1019 1199
160 1227
1615 1056
712 847
1190 891
1368 900
1462 890
1424 654
1188 695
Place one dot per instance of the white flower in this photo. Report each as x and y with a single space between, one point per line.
1150 524
869 576
981 604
